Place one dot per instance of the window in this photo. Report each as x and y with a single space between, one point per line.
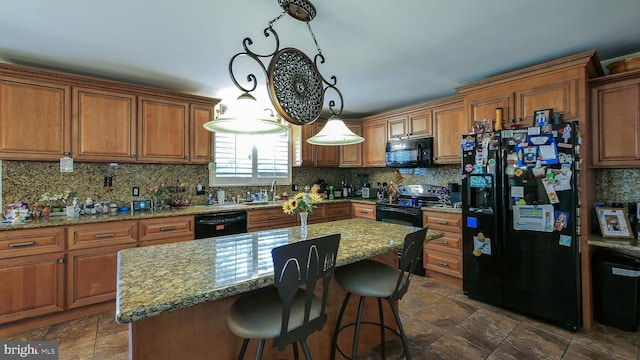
242 159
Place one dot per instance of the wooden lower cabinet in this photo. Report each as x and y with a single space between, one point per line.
366 211
31 286
91 275
166 230
443 256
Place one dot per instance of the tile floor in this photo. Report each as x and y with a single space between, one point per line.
440 321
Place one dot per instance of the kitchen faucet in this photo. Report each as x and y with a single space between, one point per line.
273 190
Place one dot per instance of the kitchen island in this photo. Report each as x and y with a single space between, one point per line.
175 297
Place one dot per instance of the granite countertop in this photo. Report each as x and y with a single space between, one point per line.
158 279
188 210
623 244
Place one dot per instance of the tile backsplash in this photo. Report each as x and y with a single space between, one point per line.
617 185
26 181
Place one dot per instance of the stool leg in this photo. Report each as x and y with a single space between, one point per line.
305 349
334 342
295 350
403 336
243 349
260 349
356 332
381 327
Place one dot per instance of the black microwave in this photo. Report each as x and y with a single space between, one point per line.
410 153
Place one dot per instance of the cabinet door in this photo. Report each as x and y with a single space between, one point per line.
561 96
616 124
326 156
307 151
91 275
351 155
31 286
201 140
163 130
449 125
375 142
104 125
397 127
485 108
35 119
421 124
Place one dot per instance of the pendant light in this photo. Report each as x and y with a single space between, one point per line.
245 117
334 133
295 86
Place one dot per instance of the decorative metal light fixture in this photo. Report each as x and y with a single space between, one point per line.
295 86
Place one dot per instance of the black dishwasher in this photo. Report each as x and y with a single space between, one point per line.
218 224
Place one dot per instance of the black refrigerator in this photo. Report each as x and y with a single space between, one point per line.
519 208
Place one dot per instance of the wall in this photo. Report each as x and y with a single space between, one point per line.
25 181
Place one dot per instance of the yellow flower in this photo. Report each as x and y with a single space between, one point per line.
298 204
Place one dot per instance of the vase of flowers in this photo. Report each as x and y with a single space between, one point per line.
156 191
299 205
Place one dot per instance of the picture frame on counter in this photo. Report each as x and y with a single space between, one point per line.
614 223
542 117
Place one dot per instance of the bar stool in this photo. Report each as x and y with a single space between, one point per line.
288 312
368 278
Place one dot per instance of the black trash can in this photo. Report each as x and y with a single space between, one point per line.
616 289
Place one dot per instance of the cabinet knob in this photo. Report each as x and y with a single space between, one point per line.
61 261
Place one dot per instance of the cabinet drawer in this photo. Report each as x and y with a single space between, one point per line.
442 221
179 228
449 243
366 211
269 218
15 243
338 211
101 234
443 263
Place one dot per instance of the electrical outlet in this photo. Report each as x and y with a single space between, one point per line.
135 191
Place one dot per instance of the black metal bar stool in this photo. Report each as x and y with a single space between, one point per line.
288 312
370 278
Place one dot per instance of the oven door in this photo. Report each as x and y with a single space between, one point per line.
399 215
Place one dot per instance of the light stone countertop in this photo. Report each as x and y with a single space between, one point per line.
188 210
158 279
621 244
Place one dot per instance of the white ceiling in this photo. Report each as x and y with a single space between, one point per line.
385 54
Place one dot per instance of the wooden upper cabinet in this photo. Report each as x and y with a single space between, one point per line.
450 124
414 124
326 156
485 108
561 96
307 151
616 123
375 142
35 119
397 127
351 155
201 140
163 130
421 123
104 125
